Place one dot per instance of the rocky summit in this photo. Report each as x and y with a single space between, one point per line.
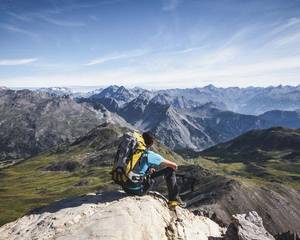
115 215
110 216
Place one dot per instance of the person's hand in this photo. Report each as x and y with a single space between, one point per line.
152 170
170 164
175 167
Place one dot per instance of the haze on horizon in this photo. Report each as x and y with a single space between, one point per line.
151 44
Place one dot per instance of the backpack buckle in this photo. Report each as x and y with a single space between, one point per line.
135 178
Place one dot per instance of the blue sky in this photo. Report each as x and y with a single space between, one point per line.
149 43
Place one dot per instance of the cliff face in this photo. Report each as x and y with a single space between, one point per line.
32 122
111 216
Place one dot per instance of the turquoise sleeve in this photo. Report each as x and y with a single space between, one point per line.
154 158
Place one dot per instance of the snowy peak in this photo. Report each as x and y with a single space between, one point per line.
3 88
210 87
138 90
120 94
58 91
107 92
181 102
123 94
163 99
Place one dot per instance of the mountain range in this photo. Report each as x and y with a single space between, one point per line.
31 122
194 119
250 100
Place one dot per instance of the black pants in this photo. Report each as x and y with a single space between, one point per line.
142 188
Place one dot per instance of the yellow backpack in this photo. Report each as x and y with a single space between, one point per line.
130 151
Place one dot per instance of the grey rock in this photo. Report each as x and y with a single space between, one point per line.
111 216
247 227
31 122
287 236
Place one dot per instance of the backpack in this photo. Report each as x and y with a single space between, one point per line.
130 151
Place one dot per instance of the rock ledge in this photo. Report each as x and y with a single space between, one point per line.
111 216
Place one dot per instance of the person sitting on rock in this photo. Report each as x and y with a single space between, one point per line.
148 165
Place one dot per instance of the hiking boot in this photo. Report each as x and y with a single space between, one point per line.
177 202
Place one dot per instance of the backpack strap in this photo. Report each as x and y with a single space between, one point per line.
119 176
135 159
140 140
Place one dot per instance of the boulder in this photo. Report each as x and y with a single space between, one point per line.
247 227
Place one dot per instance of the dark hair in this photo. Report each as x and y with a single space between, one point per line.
148 138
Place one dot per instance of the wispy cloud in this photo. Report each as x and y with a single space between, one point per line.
222 55
15 62
51 17
187 50
117 56
170 5
256 74
16 29
289 23
288 39
20 16
59 22
81 5
56 15
284 34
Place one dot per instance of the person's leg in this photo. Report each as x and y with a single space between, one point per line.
148 184
170 177
161 172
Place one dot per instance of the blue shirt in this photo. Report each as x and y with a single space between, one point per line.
150 159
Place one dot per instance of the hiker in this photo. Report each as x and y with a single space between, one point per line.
141 179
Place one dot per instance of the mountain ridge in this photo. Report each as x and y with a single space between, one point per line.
152 110
246 100
32 122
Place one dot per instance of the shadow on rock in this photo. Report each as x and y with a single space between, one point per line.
101 197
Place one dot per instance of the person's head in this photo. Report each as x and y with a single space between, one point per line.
148 138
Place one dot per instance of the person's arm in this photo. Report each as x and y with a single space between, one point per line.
169 163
